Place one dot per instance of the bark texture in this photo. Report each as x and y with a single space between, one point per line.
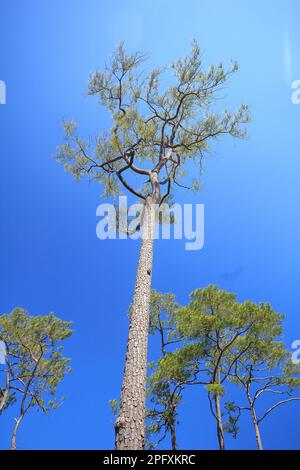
130 426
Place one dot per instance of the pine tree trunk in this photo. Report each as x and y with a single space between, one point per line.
4 399
217 399
220 430
15 430
172 419
256 428
173 436
130 426
5 392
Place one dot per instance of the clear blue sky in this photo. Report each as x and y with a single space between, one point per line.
51 259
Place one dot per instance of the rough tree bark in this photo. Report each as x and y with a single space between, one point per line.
130 425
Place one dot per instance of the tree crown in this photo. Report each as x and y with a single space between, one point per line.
34 355
155 130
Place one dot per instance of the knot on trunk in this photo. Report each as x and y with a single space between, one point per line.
119 423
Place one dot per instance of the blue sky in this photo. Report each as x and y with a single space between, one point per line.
51 259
